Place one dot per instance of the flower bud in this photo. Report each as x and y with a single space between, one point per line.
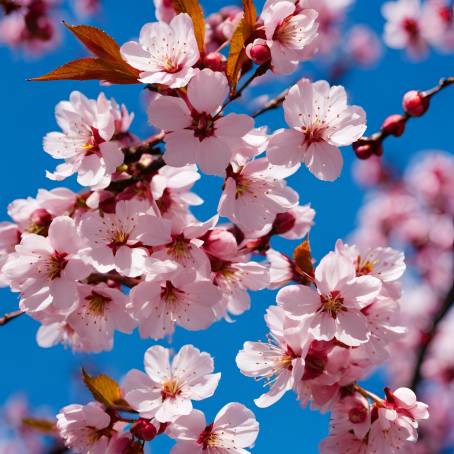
283 223
415 103
221 243
259 52
215 61
364 149
144 429
394 125
41 217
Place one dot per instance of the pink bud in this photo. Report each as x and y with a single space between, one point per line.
221 243
415 103
283 223
144 429
394 125
41 217
364 149
215 61
259 53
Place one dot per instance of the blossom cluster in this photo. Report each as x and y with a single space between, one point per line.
161 398
418 25
128 253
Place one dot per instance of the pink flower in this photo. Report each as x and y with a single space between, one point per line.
165 53
164 11
176 296
195 132
363 45
234 276
280 361
334 309
168 387
288 34
296 223
118 241
281 271
84 428
400 412
87 143
321 121
45 269
233 429
403 29
254 194
100 312
9 238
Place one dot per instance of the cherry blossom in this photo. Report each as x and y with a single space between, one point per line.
280 360
196 133
165 53
334 309
168 387
233 429
254 194
164 10
174 297
118 241
321 121
288 35
404 29
45 269
88 142
84 428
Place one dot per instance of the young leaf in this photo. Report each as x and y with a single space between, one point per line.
237 43
41 425
109 65
104 389
193 8
88 68
303 260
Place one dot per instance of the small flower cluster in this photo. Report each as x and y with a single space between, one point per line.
416 26
161 399
415 210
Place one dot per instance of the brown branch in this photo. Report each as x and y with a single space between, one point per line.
10 316
366 146
96 278
271 104
430 334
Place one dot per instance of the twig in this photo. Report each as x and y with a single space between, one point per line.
445 307
96 278
10 316
272 104
374 141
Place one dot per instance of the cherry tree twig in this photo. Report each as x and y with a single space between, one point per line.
10 316
445 307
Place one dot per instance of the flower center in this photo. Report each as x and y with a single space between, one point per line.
313 134
179 249
333 303
411 27
207 437
170 66
97 303
170 294
203 125
170 389
358 414
56 263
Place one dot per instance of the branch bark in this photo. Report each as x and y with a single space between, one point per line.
10 316
445 307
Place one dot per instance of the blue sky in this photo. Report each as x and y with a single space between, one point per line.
47 377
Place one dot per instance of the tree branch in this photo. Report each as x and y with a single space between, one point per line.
445 307
10 316
272 104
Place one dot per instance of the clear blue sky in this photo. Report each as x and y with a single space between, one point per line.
47 376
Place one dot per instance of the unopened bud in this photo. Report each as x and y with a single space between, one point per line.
364 149
283 223
259 52
215 61
144 429
394 125
41 217
415 103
